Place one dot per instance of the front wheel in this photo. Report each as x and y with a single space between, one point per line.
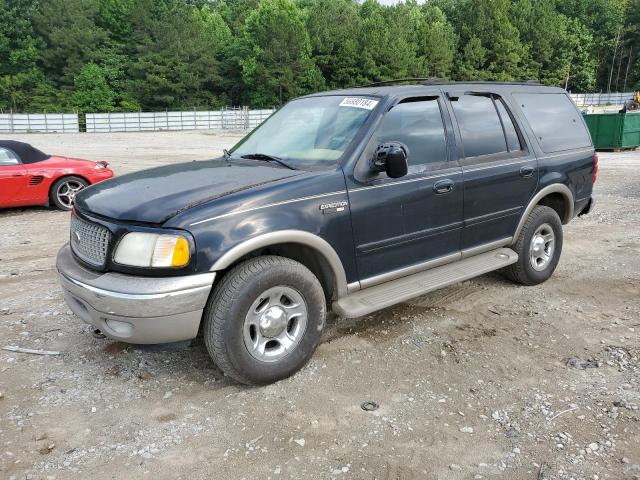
538 247
264 320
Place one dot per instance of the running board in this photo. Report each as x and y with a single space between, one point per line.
390 293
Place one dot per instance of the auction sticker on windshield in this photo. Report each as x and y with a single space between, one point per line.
359 102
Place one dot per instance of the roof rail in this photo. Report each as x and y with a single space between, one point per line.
396 80
440 81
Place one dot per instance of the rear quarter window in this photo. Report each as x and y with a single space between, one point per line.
555 121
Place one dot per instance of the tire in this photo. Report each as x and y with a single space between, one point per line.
63 199
541 223
237 322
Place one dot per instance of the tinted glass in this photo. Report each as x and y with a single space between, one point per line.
7 157
554 120
513 142
417 125
309 132
479 126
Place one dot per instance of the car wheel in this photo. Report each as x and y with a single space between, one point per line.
538 246
64 190
264 320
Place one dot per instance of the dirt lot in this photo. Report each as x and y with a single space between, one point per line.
472 381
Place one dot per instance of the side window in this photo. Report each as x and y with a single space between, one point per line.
555 120
480 125
418 125
7 157
513 141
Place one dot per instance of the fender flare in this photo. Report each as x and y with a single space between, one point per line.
554 188
288 236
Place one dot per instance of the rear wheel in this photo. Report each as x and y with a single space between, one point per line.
538 246
64 191
264 320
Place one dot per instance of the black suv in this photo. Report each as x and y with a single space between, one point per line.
350 200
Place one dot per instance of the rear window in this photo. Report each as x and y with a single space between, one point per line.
480 126
554 120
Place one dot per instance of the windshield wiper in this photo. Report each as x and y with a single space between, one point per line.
268 158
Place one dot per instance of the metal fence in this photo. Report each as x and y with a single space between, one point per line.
613 98
233 118
229 118
39 122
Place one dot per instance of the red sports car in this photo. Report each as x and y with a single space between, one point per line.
31 177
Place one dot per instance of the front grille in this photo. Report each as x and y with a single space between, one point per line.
89 241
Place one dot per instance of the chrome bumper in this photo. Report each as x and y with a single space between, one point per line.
134 309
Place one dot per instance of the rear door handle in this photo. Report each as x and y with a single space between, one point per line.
526 171
443 186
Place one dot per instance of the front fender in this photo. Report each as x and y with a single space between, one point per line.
300 210
288 236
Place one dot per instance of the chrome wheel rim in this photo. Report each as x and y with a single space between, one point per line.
67 191
275 323
542 247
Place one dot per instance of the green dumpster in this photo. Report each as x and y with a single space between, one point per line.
614 130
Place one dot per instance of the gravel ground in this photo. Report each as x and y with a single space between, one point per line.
484 379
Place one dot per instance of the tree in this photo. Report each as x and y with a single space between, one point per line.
543 31
279 65
21 81
384 52
495 51
603 21
437 42
157 54
582 66
175 63
92 92
70 38
631 65
334 44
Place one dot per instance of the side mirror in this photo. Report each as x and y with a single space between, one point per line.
390 158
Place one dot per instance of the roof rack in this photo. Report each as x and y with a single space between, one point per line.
440 81
396 80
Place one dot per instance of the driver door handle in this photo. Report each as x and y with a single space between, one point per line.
443 186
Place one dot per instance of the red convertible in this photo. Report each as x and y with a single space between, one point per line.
31 177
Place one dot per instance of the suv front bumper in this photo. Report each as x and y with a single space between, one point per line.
134 309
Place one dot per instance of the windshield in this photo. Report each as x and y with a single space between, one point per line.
309 132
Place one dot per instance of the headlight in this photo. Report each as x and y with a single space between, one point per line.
139 249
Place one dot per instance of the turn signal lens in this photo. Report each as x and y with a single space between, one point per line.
170 251
180 253
141 249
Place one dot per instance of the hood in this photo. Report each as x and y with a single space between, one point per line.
157 194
